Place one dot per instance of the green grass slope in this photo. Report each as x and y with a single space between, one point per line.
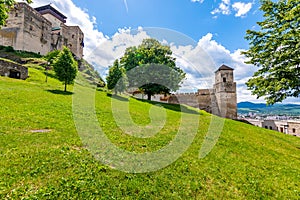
246 163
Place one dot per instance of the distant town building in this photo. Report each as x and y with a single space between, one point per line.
285 126
40 30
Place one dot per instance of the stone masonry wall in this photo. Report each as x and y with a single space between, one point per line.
221 100
8 67
28 30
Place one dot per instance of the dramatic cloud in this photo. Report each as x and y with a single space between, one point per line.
215 55
241 8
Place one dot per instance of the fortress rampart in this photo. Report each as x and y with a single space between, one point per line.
220 100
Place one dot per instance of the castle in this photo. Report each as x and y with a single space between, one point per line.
43 29
221 100
40 30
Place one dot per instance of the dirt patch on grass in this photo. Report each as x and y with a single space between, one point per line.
41 131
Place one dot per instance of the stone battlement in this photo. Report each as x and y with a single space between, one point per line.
220 100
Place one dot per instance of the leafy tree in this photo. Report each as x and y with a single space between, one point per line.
116 79
5 7
51 56
155 78
143 58
65 67
275 49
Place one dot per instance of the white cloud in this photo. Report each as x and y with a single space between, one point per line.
224 8
241 8
208 55
107 51
200 1
126 5
227 2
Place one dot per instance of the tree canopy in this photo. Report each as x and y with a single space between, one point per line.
50 57
65 67
116 79
275 49
5 7
151 60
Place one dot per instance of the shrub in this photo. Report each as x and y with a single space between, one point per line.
9 49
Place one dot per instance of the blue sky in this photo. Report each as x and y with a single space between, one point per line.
194 19
203 34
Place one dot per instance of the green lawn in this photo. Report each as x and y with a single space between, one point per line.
247 162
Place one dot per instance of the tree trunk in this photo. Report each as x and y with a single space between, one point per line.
65 86
149 97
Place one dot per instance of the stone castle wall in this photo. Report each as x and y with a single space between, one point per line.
13 70
221 100
201 99
28 30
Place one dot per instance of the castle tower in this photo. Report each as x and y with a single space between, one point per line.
26 30
63 35
225 92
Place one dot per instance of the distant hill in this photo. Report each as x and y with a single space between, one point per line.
261 108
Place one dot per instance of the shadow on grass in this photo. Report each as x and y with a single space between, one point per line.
61 92
120 98
174 107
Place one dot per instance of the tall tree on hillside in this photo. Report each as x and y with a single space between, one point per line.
5 7
150 55
51 56
116 79
65 67
275 49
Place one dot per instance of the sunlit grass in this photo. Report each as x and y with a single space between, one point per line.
247 162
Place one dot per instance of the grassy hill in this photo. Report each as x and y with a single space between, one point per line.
43 157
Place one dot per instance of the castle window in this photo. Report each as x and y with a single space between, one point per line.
271 128
73 36
294 130
16 15
30 28
224 80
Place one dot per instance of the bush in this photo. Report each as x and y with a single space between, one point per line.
28 54
9 49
